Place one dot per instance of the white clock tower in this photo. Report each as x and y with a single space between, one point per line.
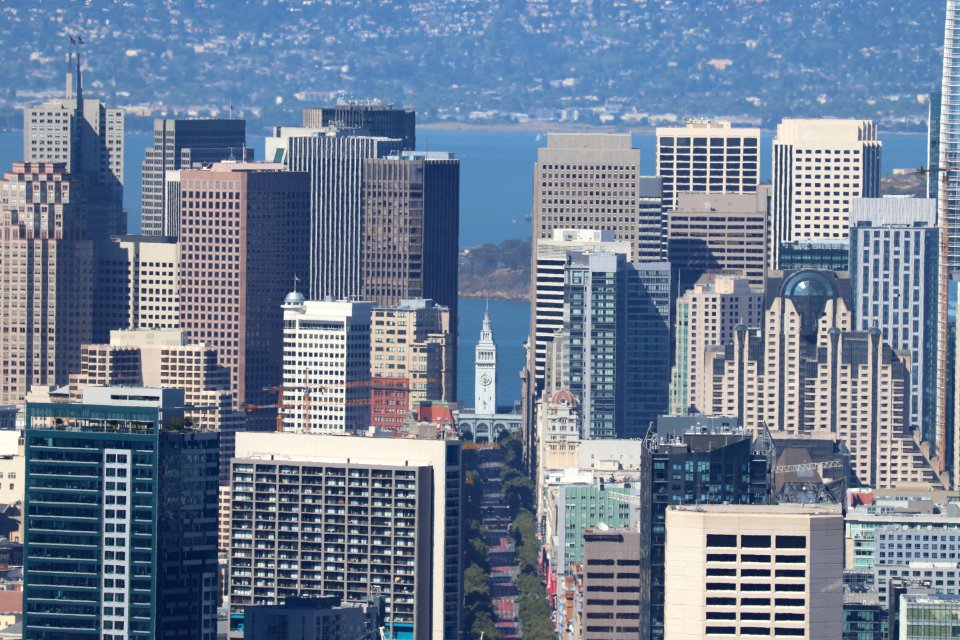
485 375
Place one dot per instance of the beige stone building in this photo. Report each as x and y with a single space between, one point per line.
760 571
46 263
141 282
706 317
707 156
165 359
413 340
719 232
819 167
808 371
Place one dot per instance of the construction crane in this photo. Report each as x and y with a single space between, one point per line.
810 466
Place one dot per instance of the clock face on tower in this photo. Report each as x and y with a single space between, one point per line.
485 379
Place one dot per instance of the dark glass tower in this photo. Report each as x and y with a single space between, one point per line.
699 460
120 519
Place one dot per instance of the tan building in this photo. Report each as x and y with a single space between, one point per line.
46 262
593 181
819 167
719 232
165 359
244 237
707 156
808 371
413 340
616 585
706 317
142 282
736 571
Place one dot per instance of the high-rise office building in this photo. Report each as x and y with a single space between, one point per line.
928 616
411 348
406 491
323 618
738 570
809 371
369 118
121 519
705 319
825 255
718 232
552 257
186 144
593 181
47 261
411 229
164 359
617 326
141 278
707 156
326 365
819 168
706 448
87 136
334 159
894 266
614 589
243 239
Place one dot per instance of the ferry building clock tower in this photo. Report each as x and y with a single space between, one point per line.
485 376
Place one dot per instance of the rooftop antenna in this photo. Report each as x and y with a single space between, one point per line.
79 75
231 109
73 43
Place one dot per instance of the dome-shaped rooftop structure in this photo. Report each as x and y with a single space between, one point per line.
294 298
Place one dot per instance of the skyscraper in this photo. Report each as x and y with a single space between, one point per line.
407 491
789 582
705 320
810 371
87 136
121 519
894 266
718 232
369 118
617 330
948 211
819 167
140 278
411 230
334 160
186 144
593 181
933 142
552 257
243 239
47 261
707 156
326 365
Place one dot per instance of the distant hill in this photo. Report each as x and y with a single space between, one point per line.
632 63
496 271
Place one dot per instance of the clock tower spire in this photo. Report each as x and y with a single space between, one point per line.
485 367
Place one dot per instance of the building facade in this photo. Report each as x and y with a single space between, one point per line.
819 167
718 232
704 322
115 546
184 144
614 588
894 270
46 255
370 118
326 365
407 492
141 278
789 581
828 255
707 156
810 372
411 229
243 239
334 160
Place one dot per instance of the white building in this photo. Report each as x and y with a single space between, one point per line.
750 570
326 365
819 167
707 156
407 493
